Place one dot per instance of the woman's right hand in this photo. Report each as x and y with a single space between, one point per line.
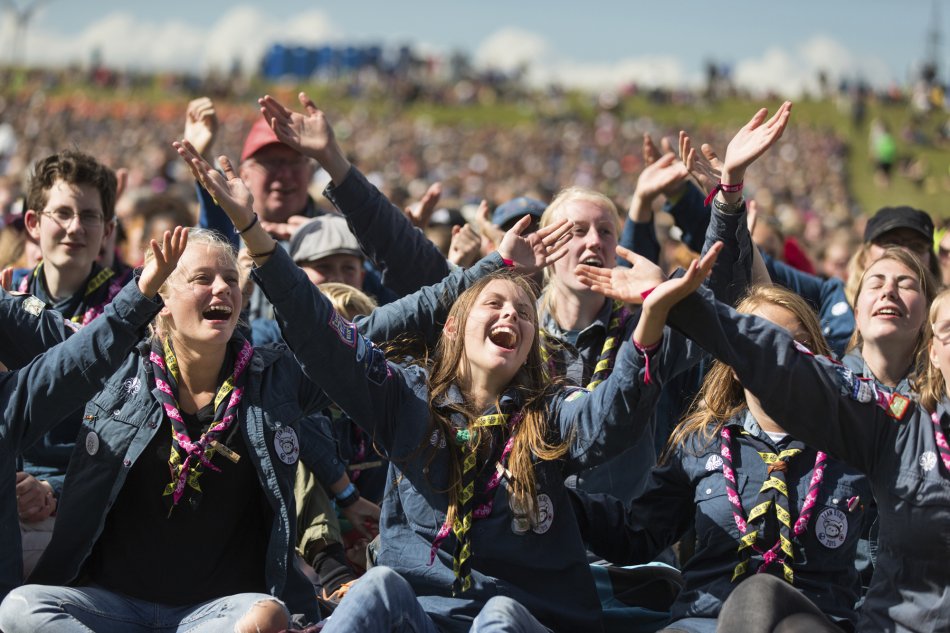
165 259
545 246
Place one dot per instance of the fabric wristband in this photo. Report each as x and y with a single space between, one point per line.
721 187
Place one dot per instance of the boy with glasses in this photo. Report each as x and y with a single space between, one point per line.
70 205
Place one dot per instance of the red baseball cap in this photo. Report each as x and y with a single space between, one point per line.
258 138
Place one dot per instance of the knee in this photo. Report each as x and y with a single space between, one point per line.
384 579
264 616
502 614
19 605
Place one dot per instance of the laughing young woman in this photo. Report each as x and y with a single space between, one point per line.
476 528
899 443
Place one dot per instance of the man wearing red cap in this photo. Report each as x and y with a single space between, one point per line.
276 175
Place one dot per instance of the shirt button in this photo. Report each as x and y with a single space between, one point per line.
126 462
152 425
708 491
115 413
834 501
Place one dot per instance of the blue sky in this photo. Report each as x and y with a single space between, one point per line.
593 43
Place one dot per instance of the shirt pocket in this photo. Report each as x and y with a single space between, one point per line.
921 499
714 511
832 526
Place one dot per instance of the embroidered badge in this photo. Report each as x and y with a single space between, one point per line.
928 460
437 439
92 443
831 528
713 463
839 308
287 445
897 406
345 330
520 525
33 306
377 369
545 514
132 386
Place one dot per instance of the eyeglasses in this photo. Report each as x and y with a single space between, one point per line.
941 330
273 165
64 217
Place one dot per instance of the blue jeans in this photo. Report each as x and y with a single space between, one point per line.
42 609
382 601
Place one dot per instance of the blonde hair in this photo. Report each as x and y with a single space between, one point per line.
721 396
927 284
532 437
197 237
350 302
553 213
933 386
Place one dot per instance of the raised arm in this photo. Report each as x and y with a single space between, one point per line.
62 379
813 398
407 258
28 329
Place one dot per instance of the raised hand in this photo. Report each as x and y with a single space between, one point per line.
486 228
666 175
542 248
201 125
672 291
465 246
227 189
752 140
165 259
419 214
705 165
652 153
623 284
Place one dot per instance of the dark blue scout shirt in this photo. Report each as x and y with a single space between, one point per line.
53 385
890 439
546 569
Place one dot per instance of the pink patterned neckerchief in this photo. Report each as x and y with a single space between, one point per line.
188 457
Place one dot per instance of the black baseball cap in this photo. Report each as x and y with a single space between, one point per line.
890 218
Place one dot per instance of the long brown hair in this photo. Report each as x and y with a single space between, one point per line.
932 385
533 435
928 284
721 396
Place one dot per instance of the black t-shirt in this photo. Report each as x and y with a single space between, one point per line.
194 554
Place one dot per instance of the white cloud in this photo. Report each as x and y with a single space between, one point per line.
793 72
243 33
509 48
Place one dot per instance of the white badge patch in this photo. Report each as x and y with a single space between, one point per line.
92 443
839 308
33 305
928 461
132 386
287 445
545 514
831 528
713 463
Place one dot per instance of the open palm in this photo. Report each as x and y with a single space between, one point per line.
309 132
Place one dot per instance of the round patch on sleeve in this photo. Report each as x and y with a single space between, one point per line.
545 514
831 528
92 443
839 308
287 445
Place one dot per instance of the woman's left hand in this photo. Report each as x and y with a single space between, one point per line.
542 248
227 189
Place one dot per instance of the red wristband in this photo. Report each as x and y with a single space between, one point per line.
509 263
646 293
721 187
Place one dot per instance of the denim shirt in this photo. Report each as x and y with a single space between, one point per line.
545 570
888 438
53 385
690 489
